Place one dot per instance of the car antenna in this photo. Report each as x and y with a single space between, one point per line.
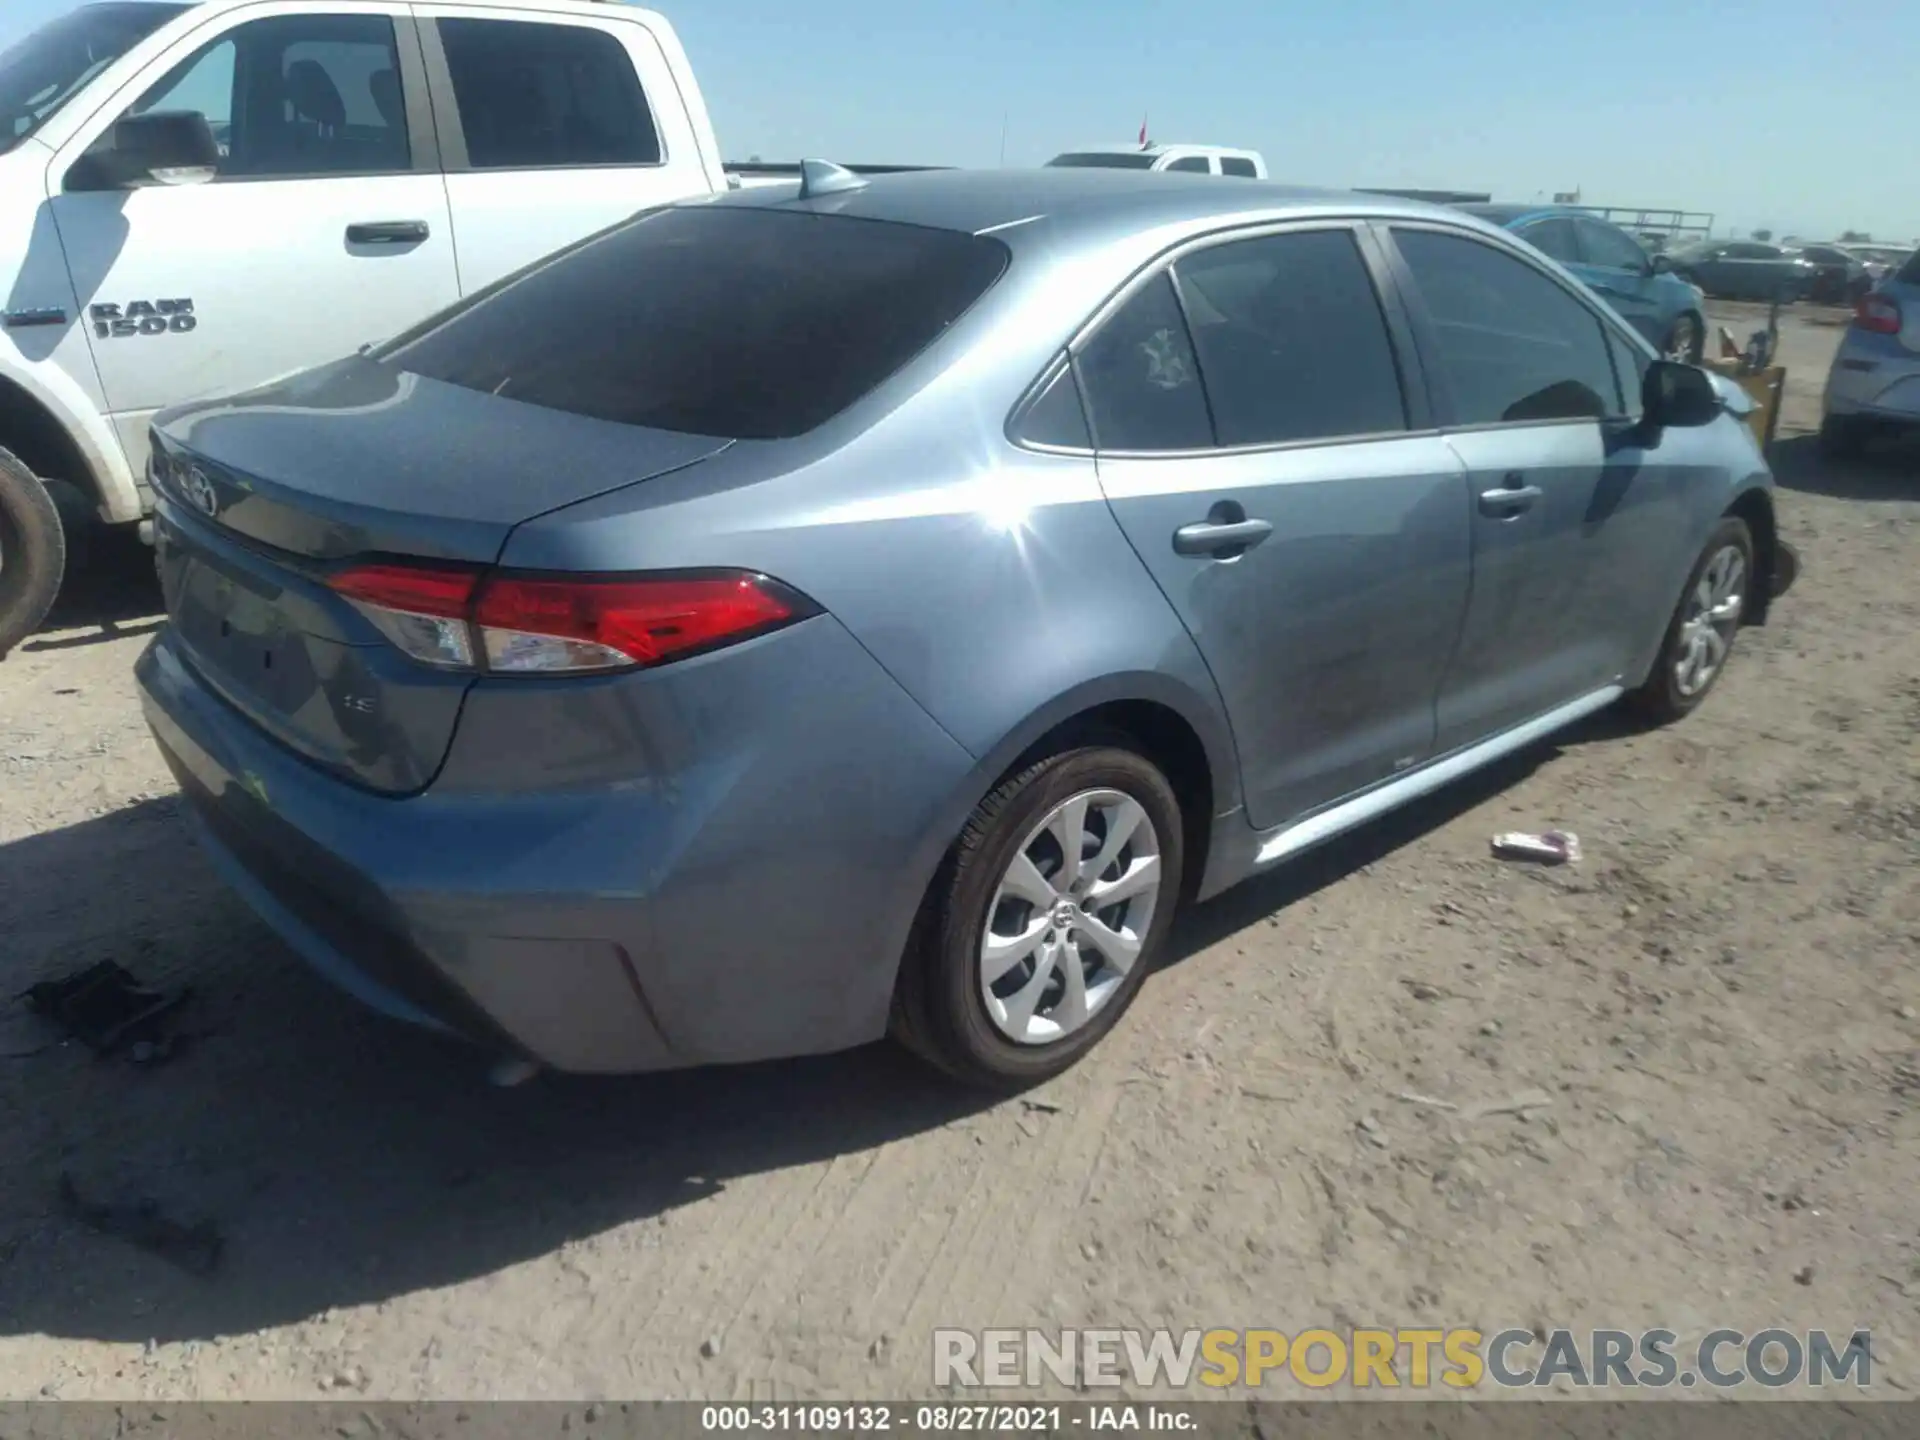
823 177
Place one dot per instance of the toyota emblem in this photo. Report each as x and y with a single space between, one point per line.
200 490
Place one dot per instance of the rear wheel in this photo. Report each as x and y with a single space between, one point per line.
1700 636
1044 921
33 551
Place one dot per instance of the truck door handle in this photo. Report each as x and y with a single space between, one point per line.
387 232
1509 500
1221 539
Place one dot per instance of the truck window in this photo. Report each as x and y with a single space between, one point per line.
723 320
1235 165
535 97
45 69
1191 163
294 95
1104 160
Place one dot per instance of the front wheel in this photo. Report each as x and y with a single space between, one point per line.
1700 636
1686 341
1045 919
33 552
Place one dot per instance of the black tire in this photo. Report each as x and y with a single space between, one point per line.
33 552
1694 331
1659 700
939 1012
1842 437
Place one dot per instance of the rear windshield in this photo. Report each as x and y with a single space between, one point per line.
1910 272
738 322
1106 160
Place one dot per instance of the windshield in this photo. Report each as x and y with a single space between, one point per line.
1107 159
41 72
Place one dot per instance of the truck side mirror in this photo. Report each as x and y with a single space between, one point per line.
165 147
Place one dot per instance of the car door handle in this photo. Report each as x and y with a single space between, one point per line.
1509 499
1213 537
387 232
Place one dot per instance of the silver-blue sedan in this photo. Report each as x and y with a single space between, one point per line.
875 607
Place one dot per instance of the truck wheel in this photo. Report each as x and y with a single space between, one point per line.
33 552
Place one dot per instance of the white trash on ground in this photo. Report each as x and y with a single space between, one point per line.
1553 847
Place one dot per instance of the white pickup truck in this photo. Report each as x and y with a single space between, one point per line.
1196 159
199 198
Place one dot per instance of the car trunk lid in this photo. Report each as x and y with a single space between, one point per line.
260 499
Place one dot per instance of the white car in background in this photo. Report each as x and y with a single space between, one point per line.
1200 159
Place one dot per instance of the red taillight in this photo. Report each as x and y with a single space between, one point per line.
550 625
595 624
415 589
1878 313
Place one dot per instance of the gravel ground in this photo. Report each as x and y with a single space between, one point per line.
1719 999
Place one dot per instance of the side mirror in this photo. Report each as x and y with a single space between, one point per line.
166 147
1681 396
1660 265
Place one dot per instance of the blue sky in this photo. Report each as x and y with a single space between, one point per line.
1782 113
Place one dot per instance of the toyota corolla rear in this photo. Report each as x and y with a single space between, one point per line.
1875 379
595 814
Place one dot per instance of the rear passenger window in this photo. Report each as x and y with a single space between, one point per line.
1234 165
1057 418
1291 339
1514 346
1555 239
1141 383
535 97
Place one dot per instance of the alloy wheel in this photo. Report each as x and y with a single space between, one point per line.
1069 917
1712 617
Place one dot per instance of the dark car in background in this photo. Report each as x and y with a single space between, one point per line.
1839 278
1617 267
1745 270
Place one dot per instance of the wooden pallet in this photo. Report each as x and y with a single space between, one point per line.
1767 387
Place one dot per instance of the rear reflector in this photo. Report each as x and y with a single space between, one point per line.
557 625
1878 313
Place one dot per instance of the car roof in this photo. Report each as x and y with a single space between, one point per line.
1508 215
1057 202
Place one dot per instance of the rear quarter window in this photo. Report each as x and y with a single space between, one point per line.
736 322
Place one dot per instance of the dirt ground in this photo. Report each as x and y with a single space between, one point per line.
1720 1000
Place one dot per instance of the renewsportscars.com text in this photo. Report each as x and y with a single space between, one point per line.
1417 1359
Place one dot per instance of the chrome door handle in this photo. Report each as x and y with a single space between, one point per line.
1509 501
1217 538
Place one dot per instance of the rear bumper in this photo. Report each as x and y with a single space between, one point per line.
1874 377
746 902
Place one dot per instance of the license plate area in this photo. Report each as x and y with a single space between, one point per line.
237 625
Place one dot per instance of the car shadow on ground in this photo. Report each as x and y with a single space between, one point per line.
347 1160
1889 469
111 591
